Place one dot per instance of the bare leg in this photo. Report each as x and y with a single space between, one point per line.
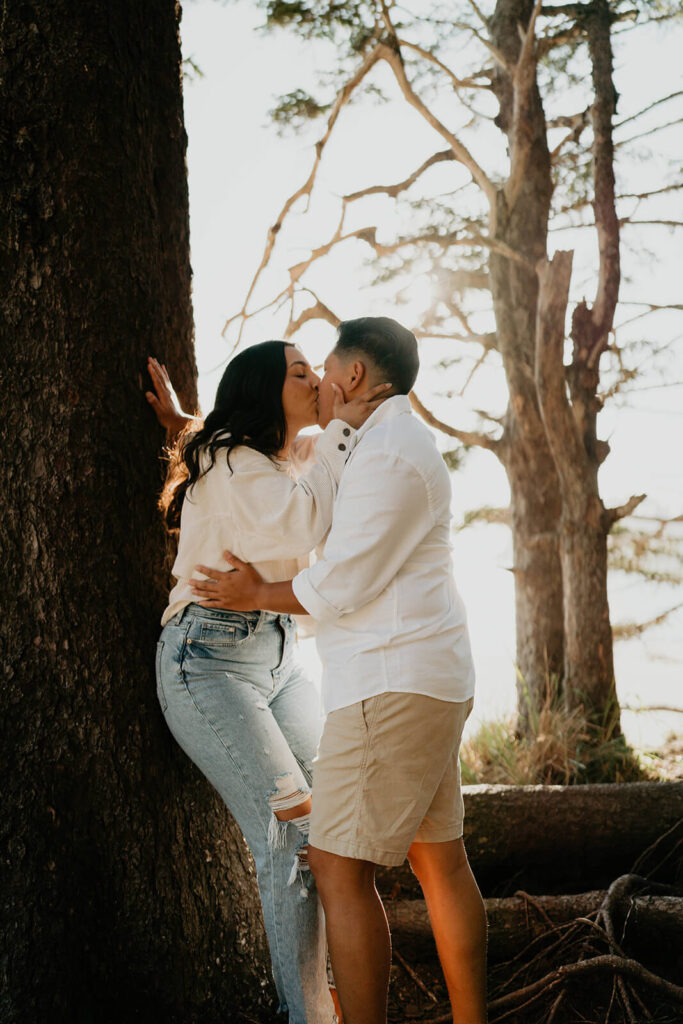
458 919
357 934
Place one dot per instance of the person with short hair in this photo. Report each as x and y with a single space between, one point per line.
398 683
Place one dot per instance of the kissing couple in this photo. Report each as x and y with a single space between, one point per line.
321 802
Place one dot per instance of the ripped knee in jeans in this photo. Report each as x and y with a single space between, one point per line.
290 805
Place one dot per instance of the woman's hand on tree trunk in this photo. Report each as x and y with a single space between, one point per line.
163 399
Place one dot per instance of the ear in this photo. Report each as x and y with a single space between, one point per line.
356 375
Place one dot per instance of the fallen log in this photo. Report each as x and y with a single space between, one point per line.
550 839
516 921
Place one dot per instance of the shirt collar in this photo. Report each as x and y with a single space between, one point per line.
386 410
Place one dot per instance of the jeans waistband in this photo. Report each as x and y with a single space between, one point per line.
256 619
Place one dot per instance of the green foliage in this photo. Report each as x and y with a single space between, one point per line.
455 458
191 70
318 19
295 110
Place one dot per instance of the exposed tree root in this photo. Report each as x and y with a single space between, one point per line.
589 969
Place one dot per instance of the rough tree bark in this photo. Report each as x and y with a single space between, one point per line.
522 223
127 892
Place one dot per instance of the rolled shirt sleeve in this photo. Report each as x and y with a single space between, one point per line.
380 517
278 517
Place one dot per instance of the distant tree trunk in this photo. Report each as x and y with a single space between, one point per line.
571 421
127 890
534 486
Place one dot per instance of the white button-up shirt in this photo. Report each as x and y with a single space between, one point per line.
388 615
259 511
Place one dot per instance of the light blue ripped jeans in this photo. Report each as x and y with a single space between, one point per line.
242 709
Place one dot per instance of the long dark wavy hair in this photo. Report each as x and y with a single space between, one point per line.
248 411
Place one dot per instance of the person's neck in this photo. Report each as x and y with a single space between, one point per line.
290 436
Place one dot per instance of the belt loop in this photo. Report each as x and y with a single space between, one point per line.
261 620
179 616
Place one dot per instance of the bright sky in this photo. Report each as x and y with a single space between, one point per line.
241 172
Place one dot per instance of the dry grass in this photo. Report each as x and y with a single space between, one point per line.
559 748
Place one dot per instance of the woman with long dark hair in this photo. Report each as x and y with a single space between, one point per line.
229 685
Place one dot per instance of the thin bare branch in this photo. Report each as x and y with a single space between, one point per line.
458 83
662 223
580 204
655 707
649 131
318 311
436 238
470 375
460 151
489 341
627 630
305 190
467 437
577 123
623 222
401 186
649 107
655 192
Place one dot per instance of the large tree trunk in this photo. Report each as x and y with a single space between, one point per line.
535 497
128 893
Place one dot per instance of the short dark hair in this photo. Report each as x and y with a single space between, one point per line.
390 347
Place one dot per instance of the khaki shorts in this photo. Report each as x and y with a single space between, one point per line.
387 774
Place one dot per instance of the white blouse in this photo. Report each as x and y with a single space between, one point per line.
260 511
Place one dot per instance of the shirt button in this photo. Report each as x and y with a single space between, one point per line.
346 431
341 447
